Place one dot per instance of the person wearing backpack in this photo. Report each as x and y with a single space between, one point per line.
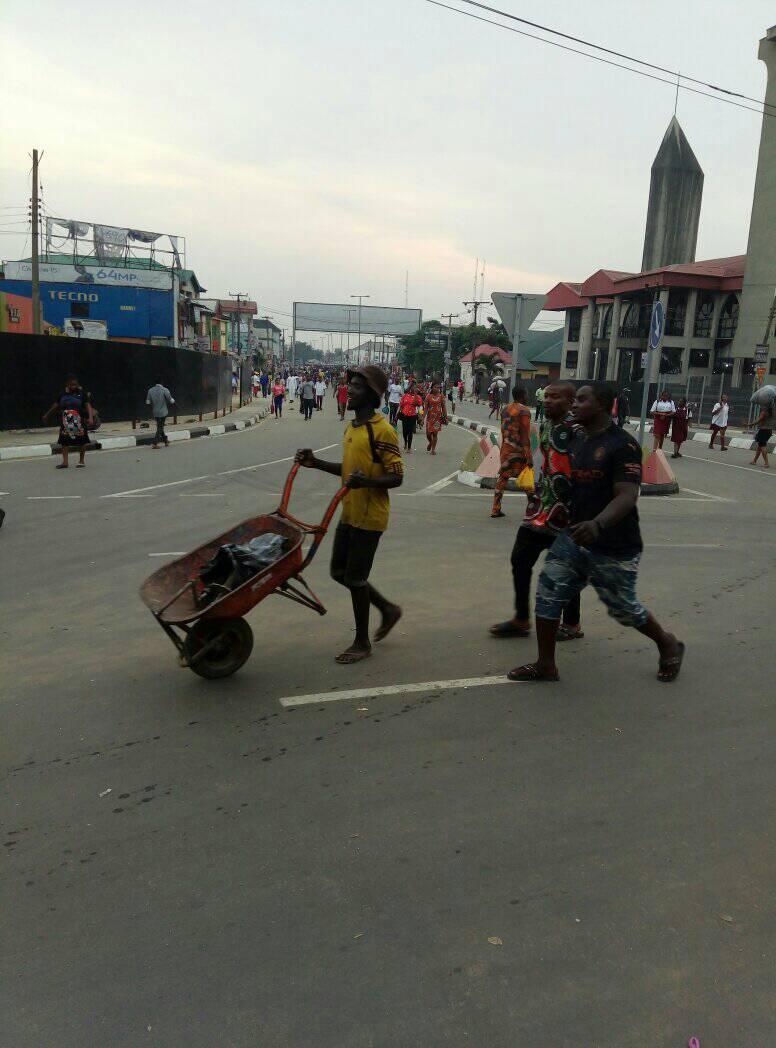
75 417
371 466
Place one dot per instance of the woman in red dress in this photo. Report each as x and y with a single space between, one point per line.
436 416
409 405
679 427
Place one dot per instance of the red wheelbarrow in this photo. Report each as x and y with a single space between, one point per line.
211 635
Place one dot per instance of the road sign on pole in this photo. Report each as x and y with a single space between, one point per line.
517 312
657 323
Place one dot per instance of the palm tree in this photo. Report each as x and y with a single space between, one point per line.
487 363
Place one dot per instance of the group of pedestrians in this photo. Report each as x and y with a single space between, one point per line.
582 511
673 418
307 388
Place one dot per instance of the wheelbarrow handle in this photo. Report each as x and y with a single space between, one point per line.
287 487
318 531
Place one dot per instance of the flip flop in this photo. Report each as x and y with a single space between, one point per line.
668 669
494 516
349 658
509 629
565 633
62 465
387 625
530 673
80 465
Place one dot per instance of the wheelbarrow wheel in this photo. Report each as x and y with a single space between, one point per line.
217 647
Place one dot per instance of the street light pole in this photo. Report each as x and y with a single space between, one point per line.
360 299
447 358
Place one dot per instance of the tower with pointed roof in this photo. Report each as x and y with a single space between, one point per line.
674 209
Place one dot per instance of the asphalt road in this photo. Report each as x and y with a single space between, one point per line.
192 862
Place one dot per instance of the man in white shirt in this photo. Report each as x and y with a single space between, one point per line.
291 389
395 391
719 421
160 400
320 393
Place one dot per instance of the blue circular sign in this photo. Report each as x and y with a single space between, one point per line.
656 324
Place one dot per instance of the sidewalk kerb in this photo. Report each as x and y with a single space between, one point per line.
27 451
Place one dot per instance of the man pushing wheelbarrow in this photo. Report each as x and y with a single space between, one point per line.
371 465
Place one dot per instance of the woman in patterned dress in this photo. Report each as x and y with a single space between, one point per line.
436 416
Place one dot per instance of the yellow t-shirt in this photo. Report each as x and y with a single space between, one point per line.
369 508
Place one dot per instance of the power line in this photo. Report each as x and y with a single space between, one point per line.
608 51
766 110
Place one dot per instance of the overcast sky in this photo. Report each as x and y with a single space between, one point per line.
311 150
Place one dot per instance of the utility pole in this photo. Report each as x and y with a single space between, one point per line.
475 304
266 318
35 256
450 317
360 299
239 295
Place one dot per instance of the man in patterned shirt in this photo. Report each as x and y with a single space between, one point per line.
515 445
371 465
546 515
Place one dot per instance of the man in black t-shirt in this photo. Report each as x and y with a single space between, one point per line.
603 543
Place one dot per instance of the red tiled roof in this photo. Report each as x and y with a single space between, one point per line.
713 274
564 296
484 350
602 282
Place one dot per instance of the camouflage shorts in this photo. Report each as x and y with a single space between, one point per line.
569 568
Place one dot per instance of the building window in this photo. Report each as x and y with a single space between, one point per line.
636 321
575 323
671 362
572 356
79 309
723 365
703 314
772 369
699 358
677 308
607 331
728 318
748 366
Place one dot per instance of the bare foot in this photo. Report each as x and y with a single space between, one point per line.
355 653
390 618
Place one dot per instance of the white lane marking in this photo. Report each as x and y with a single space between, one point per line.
178 553
683 545
47 498
731 465
391 689
274 462
153 487
437 486
708 494
5 492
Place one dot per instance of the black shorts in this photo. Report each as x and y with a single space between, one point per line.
762 436
353 553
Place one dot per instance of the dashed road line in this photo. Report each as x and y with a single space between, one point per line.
391 689
273 462
730 465
154 487
49 498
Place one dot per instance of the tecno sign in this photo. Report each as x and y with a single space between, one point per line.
74 296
